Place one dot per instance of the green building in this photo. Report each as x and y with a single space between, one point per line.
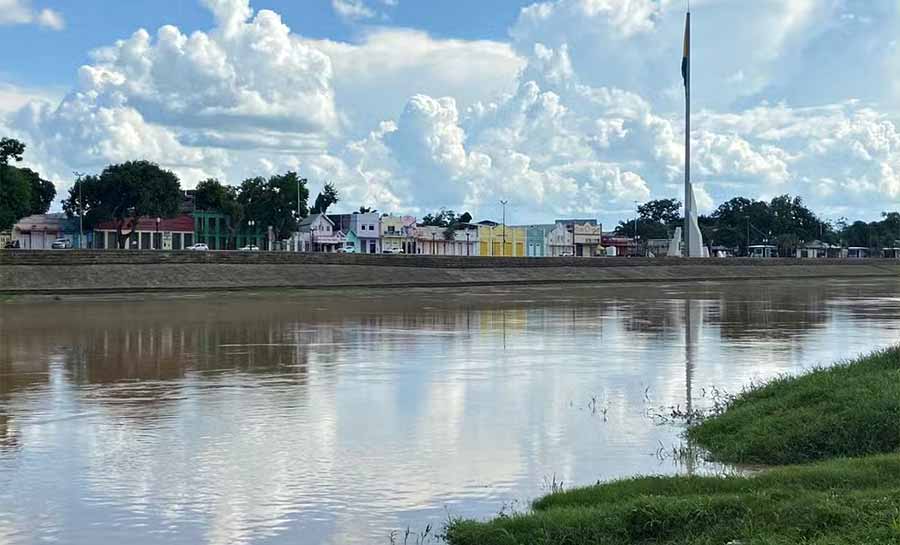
215 230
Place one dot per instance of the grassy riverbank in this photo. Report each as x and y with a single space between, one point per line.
851 409
827 415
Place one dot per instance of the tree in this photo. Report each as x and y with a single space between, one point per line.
656 219
326 198
11 148
665 211
22 191
443 218
366 210
15 196
123 194
42 191
646 229
465 218
273 202
212 195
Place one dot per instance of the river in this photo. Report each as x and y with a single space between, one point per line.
340 417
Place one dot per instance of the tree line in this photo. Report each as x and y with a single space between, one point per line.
784 221
123 193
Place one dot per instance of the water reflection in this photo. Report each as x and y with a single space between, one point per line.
336 418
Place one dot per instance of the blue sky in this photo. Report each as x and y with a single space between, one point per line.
563 107
51 58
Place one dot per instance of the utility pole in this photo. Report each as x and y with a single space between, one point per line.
636 214
503 249
748 236
79 179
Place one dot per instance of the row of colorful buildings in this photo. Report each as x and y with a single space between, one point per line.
368 233
375 233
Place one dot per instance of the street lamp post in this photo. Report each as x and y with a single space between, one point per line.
748 236
636 215
158 239
503 248
433 242
468 248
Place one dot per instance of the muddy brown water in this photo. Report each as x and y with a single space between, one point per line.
340 417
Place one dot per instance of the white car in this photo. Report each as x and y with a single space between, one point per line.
199 247
345 250
392 251
250 248
61 244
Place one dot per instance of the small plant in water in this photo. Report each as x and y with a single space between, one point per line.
553 485
427 536
596 408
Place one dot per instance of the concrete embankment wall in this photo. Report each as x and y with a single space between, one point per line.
60 272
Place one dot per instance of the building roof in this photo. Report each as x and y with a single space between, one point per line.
178 224
341 222
310 219
44 222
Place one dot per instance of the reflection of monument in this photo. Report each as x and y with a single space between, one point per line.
693 321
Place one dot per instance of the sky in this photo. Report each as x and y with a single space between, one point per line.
564 108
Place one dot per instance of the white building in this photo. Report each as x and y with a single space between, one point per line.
431 240
317 234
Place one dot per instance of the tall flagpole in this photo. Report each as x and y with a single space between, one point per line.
688 194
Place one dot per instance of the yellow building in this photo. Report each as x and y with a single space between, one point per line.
491 239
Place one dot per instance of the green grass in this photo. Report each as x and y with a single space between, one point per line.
852 409
847 501
844 421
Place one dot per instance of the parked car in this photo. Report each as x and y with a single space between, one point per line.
250 248
199 247
346 250
61 244
392 251
567 253
13 245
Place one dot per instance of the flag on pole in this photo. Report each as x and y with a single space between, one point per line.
686 58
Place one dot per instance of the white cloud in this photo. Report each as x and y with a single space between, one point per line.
374 78
360 10
352 9
20 12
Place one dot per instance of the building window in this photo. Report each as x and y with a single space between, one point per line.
145 241
176 241
157 241
188 239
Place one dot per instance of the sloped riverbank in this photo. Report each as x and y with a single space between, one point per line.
31 272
